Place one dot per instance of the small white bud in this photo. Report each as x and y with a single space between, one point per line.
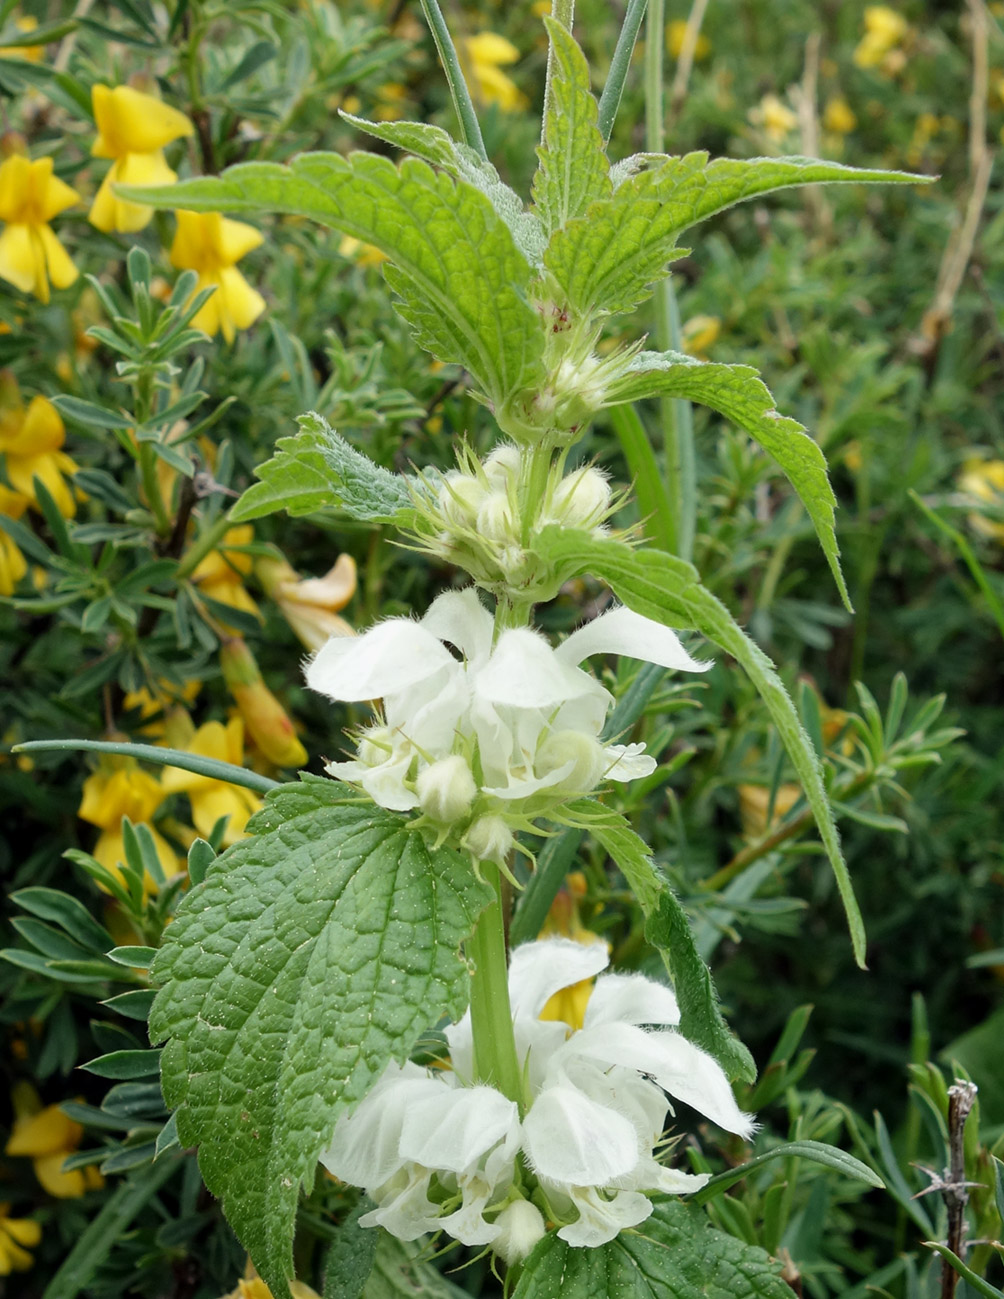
581 498
520 1225
375 746
495 518
489 838
460 498
502 466
446 789
584 753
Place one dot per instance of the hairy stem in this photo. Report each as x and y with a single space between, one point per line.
495 1059
461 96
611 98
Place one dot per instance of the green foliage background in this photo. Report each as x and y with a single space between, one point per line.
827 293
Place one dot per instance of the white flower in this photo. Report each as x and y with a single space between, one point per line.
438 1153
524 715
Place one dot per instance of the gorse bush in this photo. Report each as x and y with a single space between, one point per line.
417 760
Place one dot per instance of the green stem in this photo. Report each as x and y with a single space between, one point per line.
495 1059
620 63
461 96
203 544
147 456
677 419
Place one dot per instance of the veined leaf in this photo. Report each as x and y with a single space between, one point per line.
574 170
606 259
668 929
312 954
461 279
668 589
317 469
440 149
736 391
674 1254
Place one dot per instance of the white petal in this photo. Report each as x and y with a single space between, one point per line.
630 999
393 656
385 784
454 1129
571 1139
538 970
525 672
460 618
653 1176
365 1146
680 1068
405 1208
467 1224
622 631
601 1220
628 762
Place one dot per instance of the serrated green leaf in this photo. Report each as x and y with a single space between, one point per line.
574 170
819 1152
312 954
737 392
349 1261
605 260
317 469
439 148
668 929
669 590
462 281
674 1254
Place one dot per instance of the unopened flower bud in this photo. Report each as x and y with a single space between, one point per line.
502 466
460 498
521 1225
581 498
446 789
375 744
489 838
585 755
267 721
495 518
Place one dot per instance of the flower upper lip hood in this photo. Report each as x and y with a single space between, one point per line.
438 1151
519 703
30 254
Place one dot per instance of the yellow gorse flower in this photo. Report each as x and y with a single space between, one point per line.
675 33
30 254
484 57
699 334
884 30
267 722
775 117
31 440
211 799
212 245
220 575
47 1137
251 1286
310 605
132 129
122 788
838 116
17 1236
29 53
984 480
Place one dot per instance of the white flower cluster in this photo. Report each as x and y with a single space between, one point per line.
437 1153
488 742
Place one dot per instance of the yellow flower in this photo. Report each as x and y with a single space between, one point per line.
17 1236
219 574
211 799
13 565
776 118
362 254
212 245
157 702
675 33
29 53
30 440
884 29
121 788
754 802
30 254
484 56
390 105
838 117
699 334
310 605
47 1137
251 1286
267 721
132 129
984 479
569 1004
